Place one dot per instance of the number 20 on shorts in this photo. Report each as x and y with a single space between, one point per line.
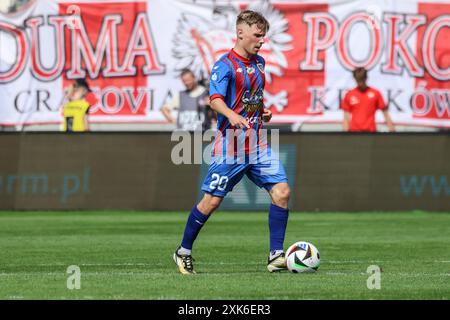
219 182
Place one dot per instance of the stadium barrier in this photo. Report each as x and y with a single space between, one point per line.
134 171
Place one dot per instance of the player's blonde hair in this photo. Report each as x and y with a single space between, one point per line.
250 18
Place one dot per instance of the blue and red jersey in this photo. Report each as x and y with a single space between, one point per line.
239 82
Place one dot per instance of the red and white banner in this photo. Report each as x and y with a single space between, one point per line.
131 53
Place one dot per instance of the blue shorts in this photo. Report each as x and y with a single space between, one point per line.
265 171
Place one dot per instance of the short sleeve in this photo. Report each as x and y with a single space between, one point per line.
380 101
218 82
345 105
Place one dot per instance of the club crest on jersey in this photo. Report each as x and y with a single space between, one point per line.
260 67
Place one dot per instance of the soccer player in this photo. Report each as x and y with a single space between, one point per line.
360 105
236 93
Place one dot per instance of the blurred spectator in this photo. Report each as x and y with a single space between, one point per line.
12 6
76 108
360 105
194 112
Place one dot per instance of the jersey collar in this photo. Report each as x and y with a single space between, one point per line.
239 57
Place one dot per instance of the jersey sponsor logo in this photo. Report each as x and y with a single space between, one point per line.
252 120
248 107
252 100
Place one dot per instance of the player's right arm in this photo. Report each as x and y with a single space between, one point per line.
346 122
235 119
345 106
170 105
383 107
218 88
167 114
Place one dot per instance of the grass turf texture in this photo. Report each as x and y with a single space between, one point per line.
128 255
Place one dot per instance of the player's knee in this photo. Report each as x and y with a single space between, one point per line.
214 203
209 204
281 193
285 194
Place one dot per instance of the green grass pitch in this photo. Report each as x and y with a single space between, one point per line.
128 255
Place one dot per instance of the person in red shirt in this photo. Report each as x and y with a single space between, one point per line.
360 105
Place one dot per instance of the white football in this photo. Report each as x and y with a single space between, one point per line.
302 257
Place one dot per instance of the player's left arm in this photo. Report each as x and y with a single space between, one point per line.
266 115
389 122
86 119
86 123
383 107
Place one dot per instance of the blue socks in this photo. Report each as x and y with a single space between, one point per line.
194 223
278 218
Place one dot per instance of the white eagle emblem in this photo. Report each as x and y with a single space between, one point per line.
201 39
